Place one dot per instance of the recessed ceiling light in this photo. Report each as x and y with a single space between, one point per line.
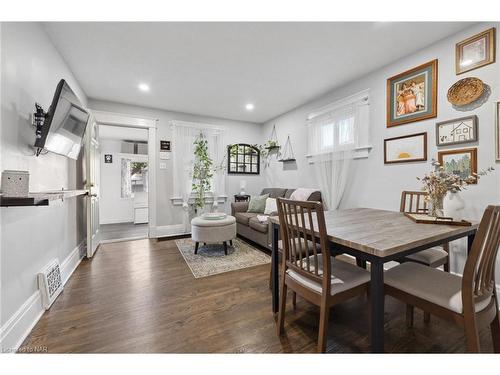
249 107
143 87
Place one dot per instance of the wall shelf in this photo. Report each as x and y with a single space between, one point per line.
42 198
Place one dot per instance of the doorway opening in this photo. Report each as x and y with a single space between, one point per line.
124 183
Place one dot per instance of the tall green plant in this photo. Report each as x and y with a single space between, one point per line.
202 171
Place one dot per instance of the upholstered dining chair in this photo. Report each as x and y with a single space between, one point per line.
306 267
471 300
414 202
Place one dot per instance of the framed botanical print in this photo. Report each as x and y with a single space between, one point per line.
457 131
475 52
406 148
412 95
497 130
462 162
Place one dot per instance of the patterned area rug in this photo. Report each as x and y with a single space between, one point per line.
211 260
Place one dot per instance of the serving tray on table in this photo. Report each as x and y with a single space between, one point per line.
426 219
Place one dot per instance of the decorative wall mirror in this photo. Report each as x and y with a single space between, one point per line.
243 159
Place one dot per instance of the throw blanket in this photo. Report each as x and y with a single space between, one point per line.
262 219
302 194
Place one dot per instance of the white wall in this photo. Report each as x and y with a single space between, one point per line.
112 207
235 132
377 185
30 237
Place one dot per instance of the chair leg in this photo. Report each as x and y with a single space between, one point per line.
361 263
294 300
196 247
323 327
282 307
471 335
495 333
409 316
446 266
427 317
225 248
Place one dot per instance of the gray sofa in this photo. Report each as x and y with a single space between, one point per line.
247 224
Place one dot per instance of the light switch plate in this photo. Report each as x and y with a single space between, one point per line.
163 165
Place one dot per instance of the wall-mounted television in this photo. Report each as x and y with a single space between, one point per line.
64 125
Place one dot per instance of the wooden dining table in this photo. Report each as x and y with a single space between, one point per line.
375 236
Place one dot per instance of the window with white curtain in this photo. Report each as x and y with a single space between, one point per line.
184 135
340 126
337 134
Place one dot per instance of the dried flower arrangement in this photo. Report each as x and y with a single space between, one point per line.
439 182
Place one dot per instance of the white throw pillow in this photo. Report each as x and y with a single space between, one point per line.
271 206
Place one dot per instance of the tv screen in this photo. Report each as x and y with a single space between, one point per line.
64 125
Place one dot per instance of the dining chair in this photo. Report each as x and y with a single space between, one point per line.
471 300
414 202
306 267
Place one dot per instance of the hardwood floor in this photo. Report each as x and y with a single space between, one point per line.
140 296
124 231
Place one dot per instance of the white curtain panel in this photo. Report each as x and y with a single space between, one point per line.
332 140
184 135
126 170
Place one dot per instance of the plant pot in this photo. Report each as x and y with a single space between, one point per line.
453 206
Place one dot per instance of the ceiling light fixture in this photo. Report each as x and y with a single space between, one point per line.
143 87
249 107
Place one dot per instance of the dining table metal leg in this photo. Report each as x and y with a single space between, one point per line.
470 240
377 306
275 268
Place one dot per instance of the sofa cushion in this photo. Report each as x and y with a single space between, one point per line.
274 192
257 225
271 207
315 197
244 217
257 203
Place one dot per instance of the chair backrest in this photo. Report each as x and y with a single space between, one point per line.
478 282
304 238
414 202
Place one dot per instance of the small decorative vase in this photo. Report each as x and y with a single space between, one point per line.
453 206
436 209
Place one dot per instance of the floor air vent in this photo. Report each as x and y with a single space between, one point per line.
50 283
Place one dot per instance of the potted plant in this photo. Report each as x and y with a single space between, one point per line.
202 172
438 183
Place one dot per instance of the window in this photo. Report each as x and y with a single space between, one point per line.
340 126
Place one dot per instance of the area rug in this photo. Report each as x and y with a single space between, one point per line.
211 260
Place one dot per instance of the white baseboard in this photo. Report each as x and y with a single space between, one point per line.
68 266
169 230
20 324
118 221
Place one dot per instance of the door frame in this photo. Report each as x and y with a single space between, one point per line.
149 123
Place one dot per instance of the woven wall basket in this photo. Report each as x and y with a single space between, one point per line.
465 91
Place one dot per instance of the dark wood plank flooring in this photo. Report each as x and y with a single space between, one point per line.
140 296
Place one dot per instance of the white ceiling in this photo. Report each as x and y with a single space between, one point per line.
122 133
214 69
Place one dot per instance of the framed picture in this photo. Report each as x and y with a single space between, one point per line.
460 130
497 130
412 95
405 149
461 162
475 52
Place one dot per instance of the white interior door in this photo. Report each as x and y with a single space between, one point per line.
93 156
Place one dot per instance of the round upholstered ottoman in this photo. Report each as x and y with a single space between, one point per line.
213 231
